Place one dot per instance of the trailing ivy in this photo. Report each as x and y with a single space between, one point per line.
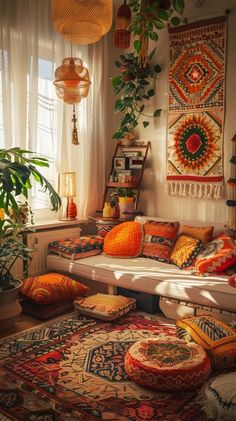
134 82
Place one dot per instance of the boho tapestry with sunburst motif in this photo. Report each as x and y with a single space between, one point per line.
196 109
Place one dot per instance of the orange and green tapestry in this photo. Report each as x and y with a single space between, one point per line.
196 109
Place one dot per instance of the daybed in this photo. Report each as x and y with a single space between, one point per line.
181 292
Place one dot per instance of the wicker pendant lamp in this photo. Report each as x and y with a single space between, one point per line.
123 19
82 21
72 84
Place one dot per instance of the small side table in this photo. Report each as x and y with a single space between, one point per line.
104 225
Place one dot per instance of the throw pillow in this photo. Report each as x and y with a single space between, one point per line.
219 255
124 240
185 250
77 248
218 397
202 233
159 239
51 288
216 337
104 306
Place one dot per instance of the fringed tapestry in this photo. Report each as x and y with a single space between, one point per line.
196 109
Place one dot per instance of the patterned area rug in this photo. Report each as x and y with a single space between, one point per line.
72 369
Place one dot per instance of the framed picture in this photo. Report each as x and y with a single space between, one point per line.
121 162
132 153
136 162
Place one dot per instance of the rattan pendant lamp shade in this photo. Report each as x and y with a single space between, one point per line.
82 21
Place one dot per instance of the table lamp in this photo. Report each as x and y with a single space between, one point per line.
67 189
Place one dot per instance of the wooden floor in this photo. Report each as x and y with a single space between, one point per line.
22 322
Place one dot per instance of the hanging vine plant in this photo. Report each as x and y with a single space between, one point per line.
134 84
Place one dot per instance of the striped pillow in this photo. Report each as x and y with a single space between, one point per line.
159 239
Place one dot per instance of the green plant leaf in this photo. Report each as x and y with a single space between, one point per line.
175 21
178 6
157 68
163 14
137 45
157 113
151 55
151 92
145 124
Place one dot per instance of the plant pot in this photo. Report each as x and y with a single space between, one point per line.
9 306
126 204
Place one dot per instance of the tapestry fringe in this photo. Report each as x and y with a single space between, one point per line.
194 190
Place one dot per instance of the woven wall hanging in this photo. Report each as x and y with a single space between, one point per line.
196 109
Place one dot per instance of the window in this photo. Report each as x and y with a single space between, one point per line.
40 132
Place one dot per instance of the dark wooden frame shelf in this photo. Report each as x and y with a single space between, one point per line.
119 151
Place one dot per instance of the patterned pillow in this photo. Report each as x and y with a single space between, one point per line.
51 288
219 255
216 337
202 233
77 248
124 240
104 306
159 239
185 250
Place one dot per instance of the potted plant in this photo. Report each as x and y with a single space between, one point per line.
126 201
18 168
135 82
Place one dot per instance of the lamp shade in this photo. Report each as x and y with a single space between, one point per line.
67 184
72 80
82 21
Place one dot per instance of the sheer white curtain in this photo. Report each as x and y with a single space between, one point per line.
32 117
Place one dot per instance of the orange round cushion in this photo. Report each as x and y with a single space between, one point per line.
51 288
167 364
124 240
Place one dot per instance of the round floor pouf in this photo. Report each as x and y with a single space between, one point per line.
219 397
168 364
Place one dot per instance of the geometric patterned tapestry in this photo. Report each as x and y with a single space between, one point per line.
196 109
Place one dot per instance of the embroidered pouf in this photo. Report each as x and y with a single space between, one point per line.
218 397
167 364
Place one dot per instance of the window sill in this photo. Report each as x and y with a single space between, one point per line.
56 223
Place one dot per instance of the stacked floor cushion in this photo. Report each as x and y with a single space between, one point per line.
167 364
215 336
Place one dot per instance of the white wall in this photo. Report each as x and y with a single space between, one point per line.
154 200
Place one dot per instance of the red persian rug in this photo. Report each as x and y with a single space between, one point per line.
72 369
